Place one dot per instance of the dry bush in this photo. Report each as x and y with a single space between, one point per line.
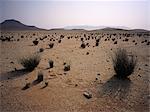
30 62
123 64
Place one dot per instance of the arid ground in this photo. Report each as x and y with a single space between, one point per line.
91 70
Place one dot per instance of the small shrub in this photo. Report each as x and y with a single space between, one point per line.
83 45
51 45
41 50
123 64
97 43
87 53
29 63
115 42
59 41
81 39
66 67
126 39
35 42
113 39
51 63
61 36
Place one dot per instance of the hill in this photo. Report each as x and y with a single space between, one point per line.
16 25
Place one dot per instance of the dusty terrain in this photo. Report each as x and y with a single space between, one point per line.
91 70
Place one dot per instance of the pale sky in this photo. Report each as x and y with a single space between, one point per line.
60 13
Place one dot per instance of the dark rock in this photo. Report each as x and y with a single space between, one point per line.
87 94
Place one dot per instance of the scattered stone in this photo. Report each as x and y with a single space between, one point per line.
87 94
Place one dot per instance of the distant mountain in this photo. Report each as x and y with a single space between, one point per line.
139 30
86 27
16 25
12 24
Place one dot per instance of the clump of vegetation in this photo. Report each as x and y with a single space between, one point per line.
51 45
126 39
30 62
66 67
113 39
41 50
83 45
123 64
35 42
115 42
51 63
59 41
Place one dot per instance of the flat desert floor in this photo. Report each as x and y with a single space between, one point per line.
91 70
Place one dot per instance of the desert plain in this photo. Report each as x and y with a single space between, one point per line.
91 71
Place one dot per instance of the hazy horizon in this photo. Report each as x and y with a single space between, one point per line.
50 14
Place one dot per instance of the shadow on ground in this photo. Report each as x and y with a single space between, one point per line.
13 74
115 87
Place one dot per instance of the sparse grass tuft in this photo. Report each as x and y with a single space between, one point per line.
123 64
30 62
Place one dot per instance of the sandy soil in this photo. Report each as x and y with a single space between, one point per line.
91 72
